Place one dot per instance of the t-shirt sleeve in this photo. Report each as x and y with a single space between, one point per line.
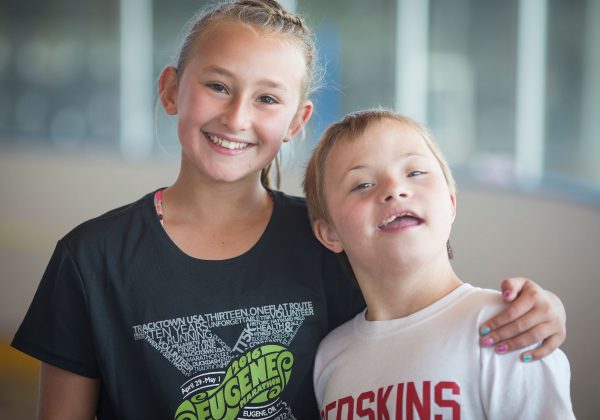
512 389
323 369
56 328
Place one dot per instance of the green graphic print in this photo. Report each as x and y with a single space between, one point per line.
256 377
235 363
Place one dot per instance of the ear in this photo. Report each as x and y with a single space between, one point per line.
453 206
167 89
327 235
300 119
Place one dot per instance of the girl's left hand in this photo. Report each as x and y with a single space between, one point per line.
533 315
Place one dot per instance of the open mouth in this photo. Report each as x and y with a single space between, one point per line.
400 221
227 144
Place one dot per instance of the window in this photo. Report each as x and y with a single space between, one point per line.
510 88
59 72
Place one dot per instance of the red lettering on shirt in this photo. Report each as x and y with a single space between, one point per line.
382 397
368 396
441 402
399 401
412 401
329 407
346 401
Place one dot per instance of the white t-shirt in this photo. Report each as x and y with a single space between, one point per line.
430 364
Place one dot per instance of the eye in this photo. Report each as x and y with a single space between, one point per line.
363 186
268 100
416 173
217 87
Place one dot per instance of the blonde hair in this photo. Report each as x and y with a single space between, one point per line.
267 15
347 130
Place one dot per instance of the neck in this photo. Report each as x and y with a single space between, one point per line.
196 196
402 291
215 220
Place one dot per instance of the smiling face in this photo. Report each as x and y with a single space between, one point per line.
238 98
387 198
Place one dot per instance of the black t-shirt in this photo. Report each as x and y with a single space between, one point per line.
171 336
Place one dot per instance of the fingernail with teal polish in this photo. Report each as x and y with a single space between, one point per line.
488 342
527 358
484 331
501 348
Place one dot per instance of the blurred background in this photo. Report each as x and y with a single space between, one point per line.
509 88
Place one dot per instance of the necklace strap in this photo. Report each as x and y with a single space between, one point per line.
158 206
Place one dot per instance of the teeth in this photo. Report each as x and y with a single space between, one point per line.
388 221
231 145
392 218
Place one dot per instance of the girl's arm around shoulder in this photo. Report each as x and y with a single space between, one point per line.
513 389
533 315
65 395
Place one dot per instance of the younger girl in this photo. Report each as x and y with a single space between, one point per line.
208 299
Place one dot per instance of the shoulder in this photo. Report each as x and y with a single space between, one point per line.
291 205
339 335
291 220
335 353
481 302
485 296
113 225
336 342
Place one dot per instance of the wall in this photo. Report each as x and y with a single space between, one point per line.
556 243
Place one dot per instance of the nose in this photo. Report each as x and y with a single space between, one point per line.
237 114
394 189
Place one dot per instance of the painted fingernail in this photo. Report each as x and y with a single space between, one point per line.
501 348
484 331
488 342
527 358
507 294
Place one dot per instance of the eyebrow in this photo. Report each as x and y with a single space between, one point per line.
404 156
269 83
